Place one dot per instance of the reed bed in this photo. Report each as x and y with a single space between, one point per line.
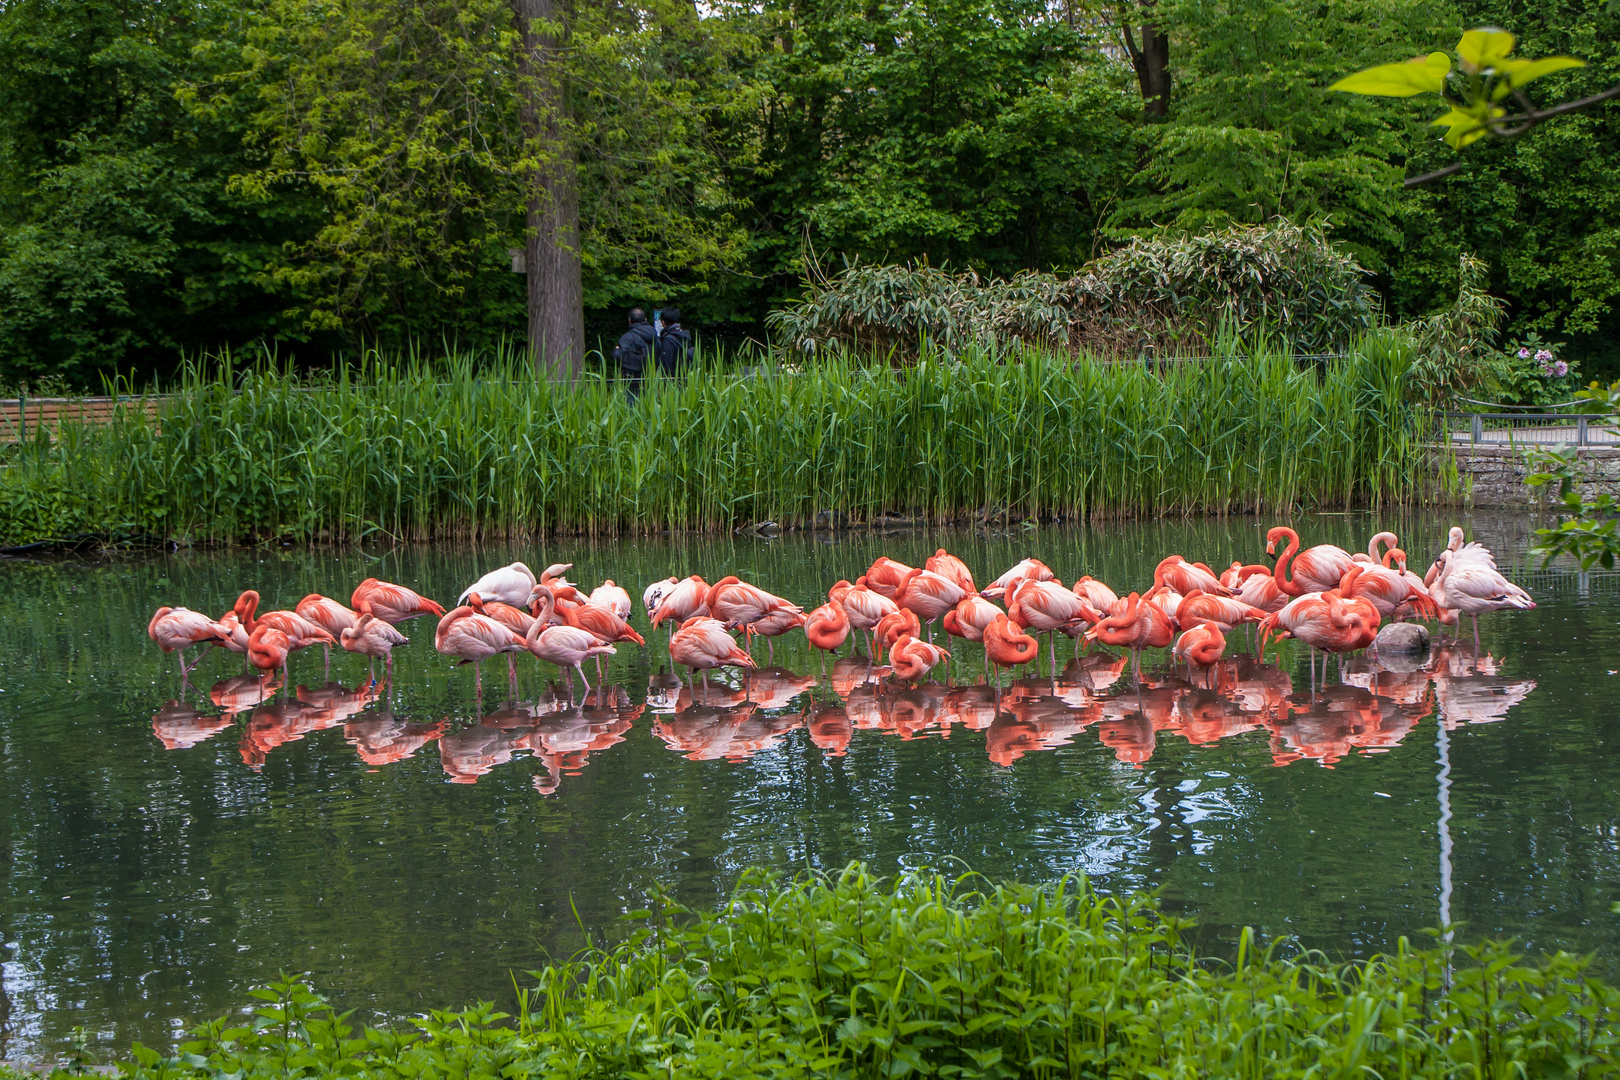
851 976
406 449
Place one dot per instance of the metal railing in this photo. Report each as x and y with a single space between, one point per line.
1518 428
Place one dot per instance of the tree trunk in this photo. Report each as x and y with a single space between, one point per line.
1152 64
552 253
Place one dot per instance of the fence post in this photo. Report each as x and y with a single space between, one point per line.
1580 431
22 413
1478 429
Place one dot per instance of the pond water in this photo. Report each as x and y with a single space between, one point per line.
163 851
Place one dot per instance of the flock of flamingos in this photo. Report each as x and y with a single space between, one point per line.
1372 710
1329 598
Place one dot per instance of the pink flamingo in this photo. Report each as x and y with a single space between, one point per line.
912 659
739 606
1184 577
950 567
1201 646
968 619
702 644
827 627
652 598
886 576
1024 568
178 628
1472 588
684 601
866 608
610 596
569 645
391 603
930 595
1007 646
1314 570
1045 607
268 649
373 638
473 638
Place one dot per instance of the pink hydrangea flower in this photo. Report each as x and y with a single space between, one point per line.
1543 355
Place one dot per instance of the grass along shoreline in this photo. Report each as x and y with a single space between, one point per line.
410 451
852 975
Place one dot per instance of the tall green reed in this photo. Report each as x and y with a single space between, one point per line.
408 449
849 975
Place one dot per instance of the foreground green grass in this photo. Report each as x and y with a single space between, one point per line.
410 451
853 976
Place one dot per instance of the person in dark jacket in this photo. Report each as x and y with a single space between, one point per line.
674 343
635 348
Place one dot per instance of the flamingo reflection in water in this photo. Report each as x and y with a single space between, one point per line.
384 740
831 730
710 733
179 726
242 692
274 725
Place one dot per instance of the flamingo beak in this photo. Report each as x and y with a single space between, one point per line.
1271 547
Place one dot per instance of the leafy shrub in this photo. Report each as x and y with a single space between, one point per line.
1164 294
852 976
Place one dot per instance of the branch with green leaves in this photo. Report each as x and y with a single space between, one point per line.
1477 90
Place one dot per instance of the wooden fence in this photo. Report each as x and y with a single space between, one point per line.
22 418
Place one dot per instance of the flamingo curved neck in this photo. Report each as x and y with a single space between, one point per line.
1280 573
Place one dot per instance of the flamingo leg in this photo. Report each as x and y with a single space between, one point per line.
770 652
478 680
1475 618
327 651
1051 648
582 678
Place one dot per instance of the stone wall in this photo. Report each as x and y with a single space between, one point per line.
1493 474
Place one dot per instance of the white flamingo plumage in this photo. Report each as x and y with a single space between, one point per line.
510 585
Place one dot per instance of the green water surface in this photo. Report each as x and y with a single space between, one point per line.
160 853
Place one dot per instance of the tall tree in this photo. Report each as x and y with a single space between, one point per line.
553 258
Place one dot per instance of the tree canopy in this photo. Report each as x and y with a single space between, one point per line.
183 175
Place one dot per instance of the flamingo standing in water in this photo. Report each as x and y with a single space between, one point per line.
968 619
1316 569
330 616
178 628
739 606
300 632
950 567
652 598
1224 611
685 599
912 659
930 595
599 622
892 627
509 584
827 627
1176 573
1469 586
1201 646
702 644
268 649
774 625
1045 607
1137 625
885 577
866 608
1007 646
569 645
371 637
391 603
473 638
513 618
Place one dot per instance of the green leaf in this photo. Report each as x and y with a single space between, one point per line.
1519 72
1463 128
1484 48
1420 75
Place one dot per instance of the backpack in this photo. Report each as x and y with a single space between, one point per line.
674 350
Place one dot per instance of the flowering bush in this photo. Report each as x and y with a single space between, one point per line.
1536 376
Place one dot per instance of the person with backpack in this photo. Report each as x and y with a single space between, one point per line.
634 349
674 343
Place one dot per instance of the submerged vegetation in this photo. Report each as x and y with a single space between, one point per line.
853 976
418 451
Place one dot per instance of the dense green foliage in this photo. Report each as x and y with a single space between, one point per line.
1173 295
184 175
409 451
854 976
